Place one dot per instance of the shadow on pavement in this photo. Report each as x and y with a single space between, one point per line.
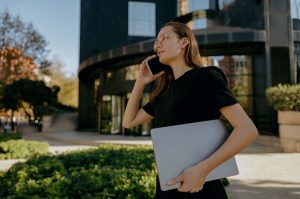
263 189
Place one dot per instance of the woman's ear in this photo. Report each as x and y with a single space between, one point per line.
184 42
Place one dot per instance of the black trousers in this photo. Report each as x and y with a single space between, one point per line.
211 190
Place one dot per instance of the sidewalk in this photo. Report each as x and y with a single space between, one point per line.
94 139
264 144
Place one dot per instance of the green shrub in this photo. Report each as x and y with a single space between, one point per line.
106 172
22 149
284 97
10 136
110 171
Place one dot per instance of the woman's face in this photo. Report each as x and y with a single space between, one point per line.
167 45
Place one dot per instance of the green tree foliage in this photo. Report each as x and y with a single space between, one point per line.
68 85
20 35
22 50
34 92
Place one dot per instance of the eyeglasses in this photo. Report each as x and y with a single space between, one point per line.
162 39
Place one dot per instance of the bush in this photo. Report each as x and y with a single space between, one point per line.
110 171
10 136
22 149
284 97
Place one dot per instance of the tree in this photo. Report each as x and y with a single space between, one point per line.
35 93
17 34
15 65
54 76
22 49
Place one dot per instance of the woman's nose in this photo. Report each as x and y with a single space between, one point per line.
157 46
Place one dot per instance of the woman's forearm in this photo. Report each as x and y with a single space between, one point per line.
237 141
132 107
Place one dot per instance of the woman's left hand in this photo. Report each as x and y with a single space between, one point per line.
192 179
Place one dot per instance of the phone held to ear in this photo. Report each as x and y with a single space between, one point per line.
154 66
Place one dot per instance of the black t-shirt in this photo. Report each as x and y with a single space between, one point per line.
195 96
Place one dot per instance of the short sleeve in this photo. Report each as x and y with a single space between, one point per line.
149 108
220 92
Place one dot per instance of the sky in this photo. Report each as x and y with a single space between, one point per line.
58 21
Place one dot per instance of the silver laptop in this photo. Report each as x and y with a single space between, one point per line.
181 146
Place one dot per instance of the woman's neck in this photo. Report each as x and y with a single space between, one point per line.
179 68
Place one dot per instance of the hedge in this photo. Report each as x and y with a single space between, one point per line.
12 149
110 171
10 136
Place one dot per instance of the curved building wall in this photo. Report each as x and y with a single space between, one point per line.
251 50
104 24
241 13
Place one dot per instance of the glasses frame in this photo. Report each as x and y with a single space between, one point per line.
162 39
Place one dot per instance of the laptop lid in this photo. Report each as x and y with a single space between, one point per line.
181 146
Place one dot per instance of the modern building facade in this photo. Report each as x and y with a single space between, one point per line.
255 42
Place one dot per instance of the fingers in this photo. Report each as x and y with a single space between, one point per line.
186 187
174 181
148 58
191 190
196 190
158 74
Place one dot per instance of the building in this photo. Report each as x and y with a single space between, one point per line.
255 42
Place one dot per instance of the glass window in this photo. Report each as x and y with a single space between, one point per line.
193 5
96 90
141 18
295 9
106 115
224 3
238 70
198 5
131 72
297 56
116 119
199 24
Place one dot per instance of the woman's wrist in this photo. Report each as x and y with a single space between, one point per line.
139 84
203 167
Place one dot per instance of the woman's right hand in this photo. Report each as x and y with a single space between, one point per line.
144 77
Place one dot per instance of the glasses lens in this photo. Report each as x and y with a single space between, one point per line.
160 40
154 46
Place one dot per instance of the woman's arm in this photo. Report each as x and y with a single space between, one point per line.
133 115
243 134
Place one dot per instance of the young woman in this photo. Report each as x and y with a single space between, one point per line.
189 93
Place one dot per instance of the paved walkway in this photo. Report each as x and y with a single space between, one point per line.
265 171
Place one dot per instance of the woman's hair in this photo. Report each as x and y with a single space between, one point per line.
191 57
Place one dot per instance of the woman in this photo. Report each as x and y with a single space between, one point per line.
189 93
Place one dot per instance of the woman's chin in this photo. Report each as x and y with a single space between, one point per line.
163 60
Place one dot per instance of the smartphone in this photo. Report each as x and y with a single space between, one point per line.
154 66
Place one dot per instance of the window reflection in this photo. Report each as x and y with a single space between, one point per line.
237 68
141 18
111 114
297 56
187 6
295 9
224 3
131 72
238 71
